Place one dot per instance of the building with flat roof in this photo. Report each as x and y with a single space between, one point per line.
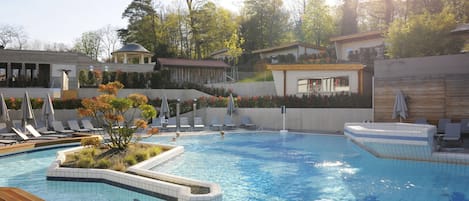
320 79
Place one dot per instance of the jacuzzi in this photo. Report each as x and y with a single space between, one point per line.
394 140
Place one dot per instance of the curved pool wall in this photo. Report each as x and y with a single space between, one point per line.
400 141
139 178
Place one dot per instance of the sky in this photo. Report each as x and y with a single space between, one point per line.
63 21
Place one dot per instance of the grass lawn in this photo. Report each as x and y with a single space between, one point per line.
260 77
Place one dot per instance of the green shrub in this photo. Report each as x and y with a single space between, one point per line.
141 155
118 166
91 152
85 162
103 163
90 141
153 151
130 159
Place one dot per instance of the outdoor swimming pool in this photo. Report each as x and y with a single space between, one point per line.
28 171
310 167
267 166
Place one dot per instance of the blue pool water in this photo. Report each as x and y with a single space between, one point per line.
289 167
265 167
28 171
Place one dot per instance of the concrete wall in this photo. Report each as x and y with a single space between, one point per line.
62 115
248 89
33 92
310 119
422 66
307 119
183 94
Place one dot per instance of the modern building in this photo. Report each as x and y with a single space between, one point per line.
356 46
295 50
320 79
30 68
351 72
48 69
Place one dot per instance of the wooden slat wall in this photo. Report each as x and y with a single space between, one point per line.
457 96
431 97
197 75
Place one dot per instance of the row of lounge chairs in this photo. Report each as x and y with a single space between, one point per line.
42 133
215 124
34 135
449 131
58 127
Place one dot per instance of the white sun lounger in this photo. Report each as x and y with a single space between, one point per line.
228 123
215 124
184 123
247 123
198 124
8 142
36 134
24 137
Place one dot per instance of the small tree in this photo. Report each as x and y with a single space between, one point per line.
118 115
423 35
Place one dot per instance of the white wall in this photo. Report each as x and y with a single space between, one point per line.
343 48
183 94
294 76
32 92
249 88
307 119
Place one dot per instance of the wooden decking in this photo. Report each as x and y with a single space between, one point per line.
16 194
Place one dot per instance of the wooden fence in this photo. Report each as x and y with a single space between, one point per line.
433 96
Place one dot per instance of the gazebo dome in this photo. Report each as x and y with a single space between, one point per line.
132 53
132 47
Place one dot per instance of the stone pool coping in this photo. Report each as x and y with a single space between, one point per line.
139 178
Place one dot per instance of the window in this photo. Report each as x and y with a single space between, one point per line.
273 59
3 71
341 84
324 85
309 85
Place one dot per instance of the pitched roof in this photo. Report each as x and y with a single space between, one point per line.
192 63
461 29
317 67
132 47
286 46
220 51
358 36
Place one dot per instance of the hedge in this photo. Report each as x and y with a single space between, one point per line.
333 101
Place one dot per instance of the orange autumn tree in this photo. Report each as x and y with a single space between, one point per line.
118 116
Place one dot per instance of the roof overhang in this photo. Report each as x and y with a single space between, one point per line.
461 29
287 46
316 67
358 36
